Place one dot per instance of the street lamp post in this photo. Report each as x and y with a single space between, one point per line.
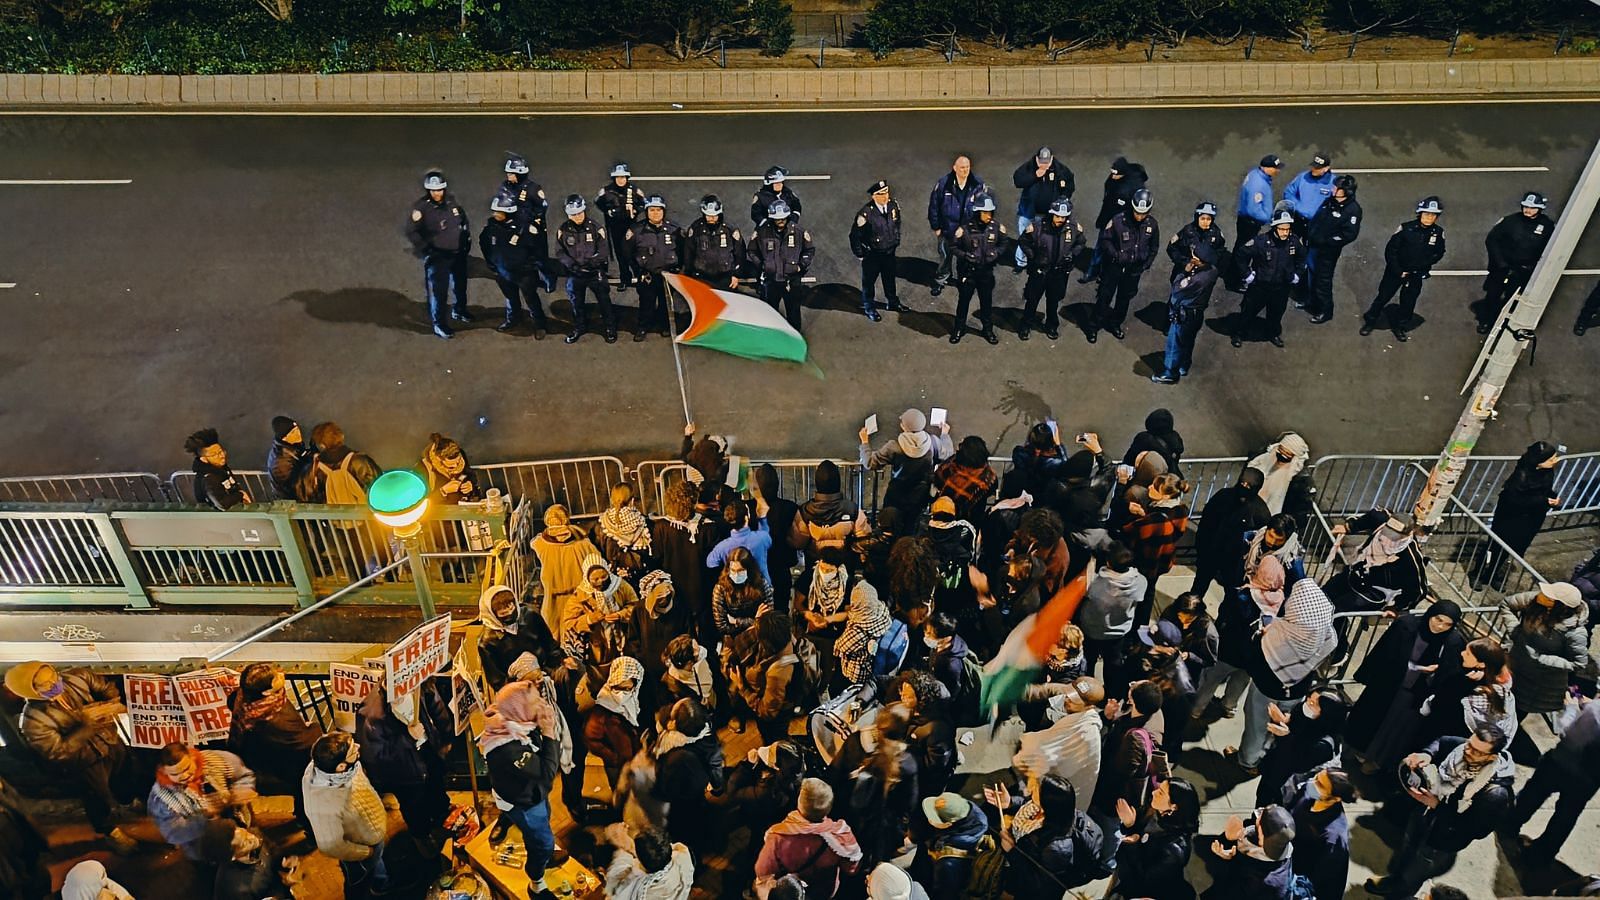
399 499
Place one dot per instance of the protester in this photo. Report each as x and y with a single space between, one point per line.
739 594
1219 539
1069 747
1106 615
829 518
647 866
347 816
594 626
680 538
955 828
780 516
809 844
1051 846
889 882
1526 498
1548 645
1416 652
1159 436
450 477
1571 771
1156 843
1292 646
613 727
622 534
88 881
1153 532
521 749
1257 856
1279 465
1308 735
910 459
343 474
1321 829
967 479
195 787
270 734
248 866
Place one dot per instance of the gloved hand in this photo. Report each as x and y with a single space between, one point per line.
1294 279
1249 279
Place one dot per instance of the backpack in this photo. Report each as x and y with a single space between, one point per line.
892 649
968 690
988 870
339 487
1301 888
807 677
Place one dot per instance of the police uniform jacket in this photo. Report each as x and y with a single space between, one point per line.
438 228
1414 248
1192 290
1128 243
506 245
1119 192
1274 260
1180 248
1516 241
712 249
531 203
979 245
763 199
1039 193
781 253
583 248
1336 225
655 248
950 204
1048 247
1255 195
874 231
622 205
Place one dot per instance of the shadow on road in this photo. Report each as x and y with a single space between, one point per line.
366 306
1157 315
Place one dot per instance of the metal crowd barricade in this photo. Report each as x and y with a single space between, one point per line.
796 479
131 487
258 482
581 484
48 556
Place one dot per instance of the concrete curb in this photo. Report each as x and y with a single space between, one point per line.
1177 82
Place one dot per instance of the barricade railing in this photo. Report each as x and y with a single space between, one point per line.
48 555
1363 629
581 484
129 487
258 482
796 479
1349 485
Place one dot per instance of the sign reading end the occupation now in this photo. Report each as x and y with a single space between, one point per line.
417 657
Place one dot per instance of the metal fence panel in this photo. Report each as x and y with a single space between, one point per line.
796 479
132 487
581 484
39 549
258 482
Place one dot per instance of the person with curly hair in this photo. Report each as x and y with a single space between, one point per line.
931 733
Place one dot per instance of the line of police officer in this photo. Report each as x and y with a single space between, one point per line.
1282 250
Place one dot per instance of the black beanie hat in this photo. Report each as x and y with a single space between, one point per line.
282 425
827 477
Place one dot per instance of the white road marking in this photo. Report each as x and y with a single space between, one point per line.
1444 170
62 181
1481 272
433 112
727 178
7 284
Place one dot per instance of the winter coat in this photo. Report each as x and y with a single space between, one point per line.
1522 506
1545 659
362 468
217 486
1054 857
1308 745
390 756
1153 866
818 852
1308 192
610 737
1219 536
522 773
348 822
947 665
1255 196
276 746
950 203
292 468
1039 192
499 649
1119 191
1106 612
1384 670
826 520
1414 248
1452 829
1335 226
1321 843
560 573
58 731
952 850
1517 242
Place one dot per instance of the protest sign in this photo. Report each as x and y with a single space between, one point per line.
349 685
416 657
155 717
204 697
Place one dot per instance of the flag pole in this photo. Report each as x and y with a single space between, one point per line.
677 358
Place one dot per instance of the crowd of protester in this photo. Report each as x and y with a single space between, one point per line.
855 647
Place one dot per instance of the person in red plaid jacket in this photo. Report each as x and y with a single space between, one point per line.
967 479
1153 533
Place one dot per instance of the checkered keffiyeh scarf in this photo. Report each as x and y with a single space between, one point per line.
628 527
1295 643
869 620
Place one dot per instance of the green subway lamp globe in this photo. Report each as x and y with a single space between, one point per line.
398 499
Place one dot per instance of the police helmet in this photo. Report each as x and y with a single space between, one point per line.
1205 208
576 204
620 170
1142 201
774 175
984 203
778 211
503 202
1429 205
1061 207
711 205
1283 206
1533 200
1346 183
655 201
1282 217
516 164
434 181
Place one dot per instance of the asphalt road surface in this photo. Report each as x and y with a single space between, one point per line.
255 265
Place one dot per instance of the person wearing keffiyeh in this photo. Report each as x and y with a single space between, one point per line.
593 628
623 534
194 787
613 727
1292 646
450 477
867 620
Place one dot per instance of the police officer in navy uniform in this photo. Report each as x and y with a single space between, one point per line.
874 238
1202 230
1335 226
781 251
622 204
532 208
654 245
1050 245
1514 245
1192 284
772 190
1273 262
1412 252
978 245
507 242
1128 246
713 250
439 237
950 207
584 253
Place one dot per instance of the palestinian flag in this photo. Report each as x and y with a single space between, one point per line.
735 323
1025 649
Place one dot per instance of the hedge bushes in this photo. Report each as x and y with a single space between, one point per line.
1019 23
249 36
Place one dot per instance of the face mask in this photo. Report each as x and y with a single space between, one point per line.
738 577
933 643
1311 712
54 690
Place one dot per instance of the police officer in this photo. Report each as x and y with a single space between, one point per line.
1050 245
654 246
1412 252
439 237
622 204
1335 226
1042 179
1255 210
713 250
532 207
1192 284
1203 230
582 250
781 251
978 245
1128 247
1274 262
1311 188
507 243
873 239
772 190
949 208
1514 245
1125 179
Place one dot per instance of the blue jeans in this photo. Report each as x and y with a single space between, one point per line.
540 841
1253 746
1022 225
363 876
1182 329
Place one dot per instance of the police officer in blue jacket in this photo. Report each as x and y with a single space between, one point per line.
950 207
507 243
532 208
1128 247
874 238
1255 210
1274 262
656 246
1409 257
1310 188
583 251
439 237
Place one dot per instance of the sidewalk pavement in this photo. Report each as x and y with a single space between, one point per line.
1174 82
